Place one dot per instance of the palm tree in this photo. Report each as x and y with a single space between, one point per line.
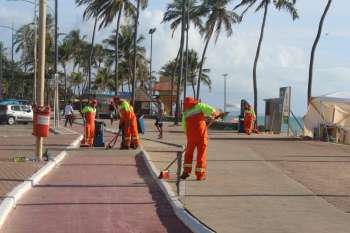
65 54
140 4
90 12
218 17
312 57
288 5
193 70
126 52
108 10
194 66
104 79
175 14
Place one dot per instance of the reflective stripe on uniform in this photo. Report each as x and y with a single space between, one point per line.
200 169
189 165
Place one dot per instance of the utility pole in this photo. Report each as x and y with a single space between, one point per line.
35 52
225 79
12 59
151 31
41 69
56 99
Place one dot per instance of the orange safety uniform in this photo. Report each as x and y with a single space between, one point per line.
249 120
129 122
89 133
194 125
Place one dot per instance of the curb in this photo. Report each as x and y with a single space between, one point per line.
191 222
12 197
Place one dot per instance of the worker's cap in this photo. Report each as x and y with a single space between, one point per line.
116 98
189 103
93 102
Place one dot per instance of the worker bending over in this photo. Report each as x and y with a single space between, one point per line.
194 125
89 114
128 123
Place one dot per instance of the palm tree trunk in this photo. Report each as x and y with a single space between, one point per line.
257 58
187 31
177 114
194 89
314 46
117 51
201 66
172 83
92 54
135 53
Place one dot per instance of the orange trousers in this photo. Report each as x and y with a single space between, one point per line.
201 144
248 123
89 133
131 131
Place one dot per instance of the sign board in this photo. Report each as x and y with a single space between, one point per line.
285 94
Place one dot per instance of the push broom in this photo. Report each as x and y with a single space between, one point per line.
164 174
111 144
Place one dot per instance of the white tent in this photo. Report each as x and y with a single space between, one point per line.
331 110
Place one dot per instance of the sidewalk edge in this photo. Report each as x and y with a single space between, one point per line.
192 223
12 197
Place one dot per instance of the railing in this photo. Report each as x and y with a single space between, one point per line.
180 184
296 131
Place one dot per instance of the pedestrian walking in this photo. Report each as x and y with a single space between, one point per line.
159 116
112 112
127 123
68 114
89 114
194 125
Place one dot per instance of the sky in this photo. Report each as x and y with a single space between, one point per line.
284 57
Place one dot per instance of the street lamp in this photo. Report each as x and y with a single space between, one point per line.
151 31
225 102
12 49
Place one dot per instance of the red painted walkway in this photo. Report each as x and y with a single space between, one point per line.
95 191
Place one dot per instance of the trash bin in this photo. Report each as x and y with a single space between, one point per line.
141 124
241 124
99 134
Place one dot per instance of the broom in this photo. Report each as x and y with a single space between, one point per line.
111 144
164 174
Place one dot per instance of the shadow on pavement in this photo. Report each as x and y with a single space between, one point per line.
255 139
163 208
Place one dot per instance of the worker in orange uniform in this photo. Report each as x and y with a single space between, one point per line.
128 123
249 119
89 114
194 125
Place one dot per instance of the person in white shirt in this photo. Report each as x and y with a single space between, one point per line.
68 114
159 117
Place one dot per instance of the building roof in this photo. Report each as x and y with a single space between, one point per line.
141 95
164 86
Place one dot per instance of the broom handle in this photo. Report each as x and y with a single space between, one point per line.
171 163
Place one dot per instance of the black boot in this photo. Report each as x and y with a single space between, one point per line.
184 176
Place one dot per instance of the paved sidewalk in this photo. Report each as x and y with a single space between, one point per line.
97 191
265 183
18 141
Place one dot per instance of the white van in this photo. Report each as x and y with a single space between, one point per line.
16 113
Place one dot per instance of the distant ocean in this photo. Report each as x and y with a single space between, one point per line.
261 121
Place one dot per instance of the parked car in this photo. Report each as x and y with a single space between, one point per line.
16 113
